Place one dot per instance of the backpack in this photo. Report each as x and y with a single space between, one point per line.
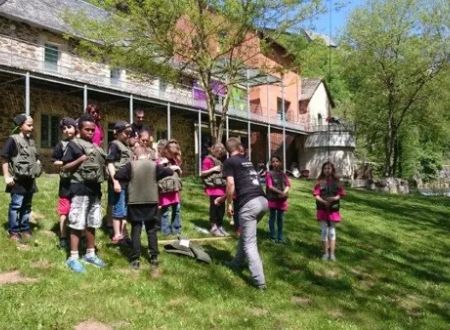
92 169
215 179
25 164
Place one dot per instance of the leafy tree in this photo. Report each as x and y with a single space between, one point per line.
396 50
211 40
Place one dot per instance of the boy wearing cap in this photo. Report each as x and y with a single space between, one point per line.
68 128
119 154
20 165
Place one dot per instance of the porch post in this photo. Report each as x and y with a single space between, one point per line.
269 144
85 97
131 108
169 128
199 141
284 125
27 93
249 144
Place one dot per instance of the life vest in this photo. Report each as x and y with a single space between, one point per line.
328 189
64 174
143 188
170 183
93 168
279 182
25 164
215 179
125 154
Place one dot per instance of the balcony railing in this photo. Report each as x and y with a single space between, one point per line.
27 56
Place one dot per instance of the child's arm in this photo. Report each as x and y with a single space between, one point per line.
73 158
9 180
316 193
269 185
123 174
116 184
287 184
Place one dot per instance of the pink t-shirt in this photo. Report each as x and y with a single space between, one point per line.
207 164
97 139
279 204
328 215
170 198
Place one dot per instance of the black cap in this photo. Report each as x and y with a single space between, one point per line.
120 126
20 119
67 121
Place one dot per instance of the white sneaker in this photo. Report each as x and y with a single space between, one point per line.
216 232
332 257
325 256
223 231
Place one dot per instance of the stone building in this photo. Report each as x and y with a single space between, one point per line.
41 74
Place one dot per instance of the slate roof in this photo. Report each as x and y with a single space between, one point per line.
48 14
309 87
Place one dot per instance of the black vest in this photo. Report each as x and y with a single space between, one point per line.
329 190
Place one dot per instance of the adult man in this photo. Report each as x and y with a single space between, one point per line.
138 126
242 180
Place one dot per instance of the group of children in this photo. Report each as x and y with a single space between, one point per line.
143 188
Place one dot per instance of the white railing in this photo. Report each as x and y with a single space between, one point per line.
27 56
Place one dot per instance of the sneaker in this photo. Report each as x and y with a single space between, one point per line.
216 232
332 257
135 264
325 256
223 231
261 287
75 265
14 237
154 261
63 243
95 260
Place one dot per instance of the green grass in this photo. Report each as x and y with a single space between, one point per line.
393 272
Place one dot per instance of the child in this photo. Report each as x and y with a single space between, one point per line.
119 154
86 162
67 125
215 185
20 165
170 188
146 140
277 188
142 174
328 191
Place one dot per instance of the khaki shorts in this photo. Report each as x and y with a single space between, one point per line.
85 212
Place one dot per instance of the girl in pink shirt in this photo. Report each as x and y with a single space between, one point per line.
94 111
215 185
328 191
170 188
277 189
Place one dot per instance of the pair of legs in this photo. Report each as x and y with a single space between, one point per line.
19 214
118 213
328 235
85 215
278 217
249 216
172 226
216 214
63 210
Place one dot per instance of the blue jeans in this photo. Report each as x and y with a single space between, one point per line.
19 213
278 216
174 225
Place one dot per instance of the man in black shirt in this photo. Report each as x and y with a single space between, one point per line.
242 180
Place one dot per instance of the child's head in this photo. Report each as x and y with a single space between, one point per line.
68 127
275 162
145 138
86 127
141 152
233 144
172 149
218 150
122 131
24 123
328 171
94 111
161 146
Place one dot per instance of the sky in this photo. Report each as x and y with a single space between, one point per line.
338 17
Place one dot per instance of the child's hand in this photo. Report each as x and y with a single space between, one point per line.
117 187
217 168
230 210
219 201
9 180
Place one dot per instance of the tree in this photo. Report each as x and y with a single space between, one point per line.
396 50
211 40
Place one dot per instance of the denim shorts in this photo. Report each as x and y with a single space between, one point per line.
118 203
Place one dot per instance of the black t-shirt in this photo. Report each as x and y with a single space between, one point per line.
64 183
22 185
245 178
74 152
113 153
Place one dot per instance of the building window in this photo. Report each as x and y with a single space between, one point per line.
51 57
115 76
49 131
319 119
282 116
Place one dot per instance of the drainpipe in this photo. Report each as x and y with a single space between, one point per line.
27 94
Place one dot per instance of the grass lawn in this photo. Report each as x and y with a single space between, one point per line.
393 272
